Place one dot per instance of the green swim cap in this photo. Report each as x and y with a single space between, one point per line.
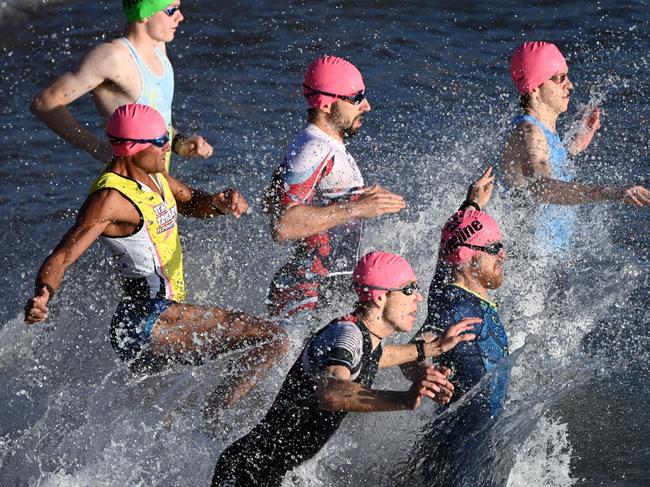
141 9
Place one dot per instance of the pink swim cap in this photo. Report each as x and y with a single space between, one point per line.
467 226
535 62
330 74
380 269
134 121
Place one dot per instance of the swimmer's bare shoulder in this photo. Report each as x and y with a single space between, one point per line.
526 155
109 71
107 64
111 210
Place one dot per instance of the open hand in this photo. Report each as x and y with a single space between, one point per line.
376 201
588 128
637 195
452 336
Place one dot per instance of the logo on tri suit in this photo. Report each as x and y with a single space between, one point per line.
166 217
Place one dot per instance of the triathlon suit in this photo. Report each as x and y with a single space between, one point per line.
149 260
319 171
456 436
295 428
471 360
555 223
157 91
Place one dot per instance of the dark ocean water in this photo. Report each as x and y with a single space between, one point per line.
437 78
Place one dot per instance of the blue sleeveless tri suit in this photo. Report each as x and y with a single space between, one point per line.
555 223
157 91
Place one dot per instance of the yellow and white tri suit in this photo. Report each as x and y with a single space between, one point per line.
150 261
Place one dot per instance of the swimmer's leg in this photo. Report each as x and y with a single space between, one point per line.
187 330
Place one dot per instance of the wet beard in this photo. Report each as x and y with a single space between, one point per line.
345 130
351 131
495 280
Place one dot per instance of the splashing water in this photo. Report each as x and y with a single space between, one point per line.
577 409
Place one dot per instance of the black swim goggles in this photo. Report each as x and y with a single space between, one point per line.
559 79
158 141
356 99
409 289
171 10
492 249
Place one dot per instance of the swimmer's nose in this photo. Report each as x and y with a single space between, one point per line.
365 106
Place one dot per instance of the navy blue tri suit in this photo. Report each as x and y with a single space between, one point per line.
470 362
295 428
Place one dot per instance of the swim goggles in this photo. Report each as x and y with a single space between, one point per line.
158 141
492 249
355 99
409 289
559 79
171 10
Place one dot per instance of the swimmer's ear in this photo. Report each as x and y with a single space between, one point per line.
380 300
475 261
327 108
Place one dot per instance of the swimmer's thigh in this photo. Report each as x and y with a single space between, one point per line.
185 328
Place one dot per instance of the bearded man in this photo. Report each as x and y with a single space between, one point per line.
317 197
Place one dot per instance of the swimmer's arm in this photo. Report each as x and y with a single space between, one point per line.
98 212
336 392
433 345
50 105
199 204
526 164
480 191
585 132
304 220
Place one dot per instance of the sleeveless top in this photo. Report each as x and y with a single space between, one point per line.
157 91
555 223
150 260
474 359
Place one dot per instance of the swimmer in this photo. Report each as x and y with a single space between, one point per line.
132 209
471 247
335 372
317 198
535 162
131 69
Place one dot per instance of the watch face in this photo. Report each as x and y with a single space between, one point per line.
419 345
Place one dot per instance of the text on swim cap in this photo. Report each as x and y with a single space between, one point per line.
464 234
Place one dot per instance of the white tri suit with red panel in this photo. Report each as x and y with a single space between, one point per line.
317 170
